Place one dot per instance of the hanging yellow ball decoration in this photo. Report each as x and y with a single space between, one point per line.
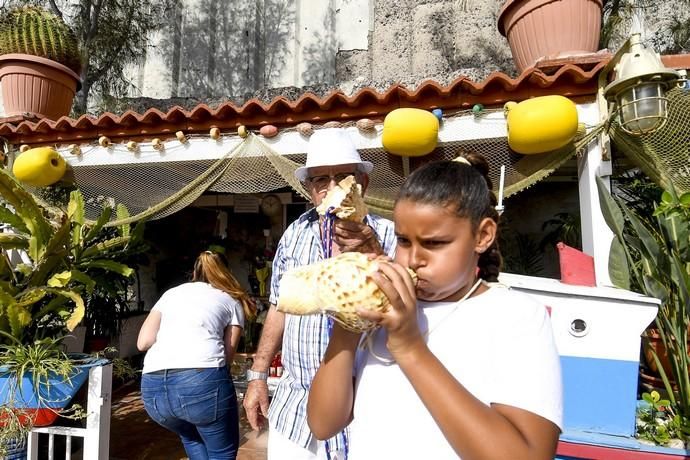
541 124
410 132
39 167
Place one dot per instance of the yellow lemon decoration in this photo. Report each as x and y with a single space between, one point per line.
410 132
541 124
39 167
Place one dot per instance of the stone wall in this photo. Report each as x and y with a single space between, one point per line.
265 48
433 39
346 44
320 46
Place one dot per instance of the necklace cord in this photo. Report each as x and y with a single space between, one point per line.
369 337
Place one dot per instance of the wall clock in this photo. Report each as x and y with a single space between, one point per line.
271 205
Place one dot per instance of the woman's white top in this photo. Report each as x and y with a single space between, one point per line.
498 345
193 321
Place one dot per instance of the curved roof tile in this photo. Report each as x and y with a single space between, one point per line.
574 77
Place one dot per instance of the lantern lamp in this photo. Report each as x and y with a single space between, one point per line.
639 89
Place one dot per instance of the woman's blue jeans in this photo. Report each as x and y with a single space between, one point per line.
199 405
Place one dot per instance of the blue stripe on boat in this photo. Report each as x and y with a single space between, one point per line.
599 395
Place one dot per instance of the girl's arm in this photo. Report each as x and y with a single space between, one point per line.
149 330
331 395
474 430
231 339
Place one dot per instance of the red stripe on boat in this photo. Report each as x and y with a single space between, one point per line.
590 452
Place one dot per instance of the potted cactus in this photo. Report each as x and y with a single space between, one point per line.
39 63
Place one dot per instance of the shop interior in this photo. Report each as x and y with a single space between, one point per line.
246 226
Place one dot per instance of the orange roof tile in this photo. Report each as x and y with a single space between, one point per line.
575 78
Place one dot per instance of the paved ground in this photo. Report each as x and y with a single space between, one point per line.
133 436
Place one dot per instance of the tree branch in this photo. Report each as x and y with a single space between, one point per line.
111 57
95 14
54 8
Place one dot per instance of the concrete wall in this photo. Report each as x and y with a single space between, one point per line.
436 39
221 52
348 44
230 53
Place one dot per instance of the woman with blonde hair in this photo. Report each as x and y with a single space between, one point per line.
190 337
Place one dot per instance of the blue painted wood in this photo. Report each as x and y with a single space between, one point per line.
55 393
599 395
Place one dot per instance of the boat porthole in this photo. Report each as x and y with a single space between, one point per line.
578 327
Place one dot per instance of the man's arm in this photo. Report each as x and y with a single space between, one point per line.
256 399
271 338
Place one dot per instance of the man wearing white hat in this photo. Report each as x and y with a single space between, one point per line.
331 156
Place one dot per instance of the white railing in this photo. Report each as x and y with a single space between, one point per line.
97 432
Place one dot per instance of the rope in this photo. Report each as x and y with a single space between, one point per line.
327 245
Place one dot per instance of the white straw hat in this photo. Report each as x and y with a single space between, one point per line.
331 147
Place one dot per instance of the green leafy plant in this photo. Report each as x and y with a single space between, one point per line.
562 227
109 302
43 296
13 429
37 31
653 253
122 369
638 191
51 259
521 254
657 423
42 362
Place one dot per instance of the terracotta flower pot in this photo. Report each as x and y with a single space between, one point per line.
549 29
36 86
651 342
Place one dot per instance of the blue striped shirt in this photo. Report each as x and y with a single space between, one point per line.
305 338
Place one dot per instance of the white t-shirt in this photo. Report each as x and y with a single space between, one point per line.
193 321
498 345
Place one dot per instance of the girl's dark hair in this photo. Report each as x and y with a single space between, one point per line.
467 187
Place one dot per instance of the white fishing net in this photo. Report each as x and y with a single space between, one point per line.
159 188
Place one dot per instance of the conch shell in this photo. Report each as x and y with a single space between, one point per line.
336 286
346 201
